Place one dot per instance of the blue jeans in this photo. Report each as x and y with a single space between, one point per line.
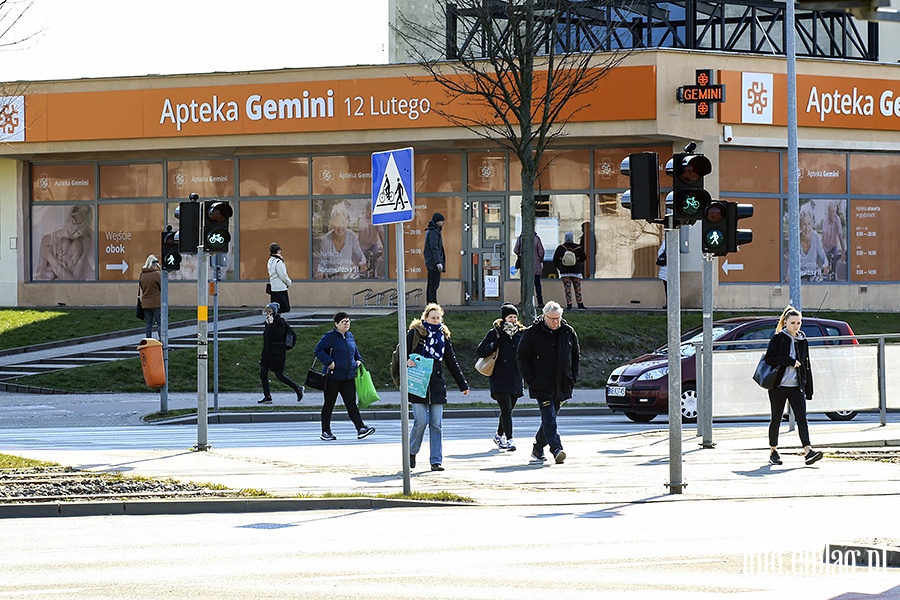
431 415
547 433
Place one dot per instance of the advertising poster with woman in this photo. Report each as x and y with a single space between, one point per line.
346 245
66 251
823 241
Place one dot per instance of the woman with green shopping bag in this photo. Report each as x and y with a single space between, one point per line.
338 352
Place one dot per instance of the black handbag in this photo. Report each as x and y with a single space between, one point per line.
661 260
139 310
765 375
316 379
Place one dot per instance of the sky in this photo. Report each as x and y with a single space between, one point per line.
74 39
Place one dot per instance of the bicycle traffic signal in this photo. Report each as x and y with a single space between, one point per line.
642 198
688 198
216 214
171 257
188 215
734 236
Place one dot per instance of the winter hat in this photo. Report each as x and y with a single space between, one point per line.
274 307
570 237
437 217
508 309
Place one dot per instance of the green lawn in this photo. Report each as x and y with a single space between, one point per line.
607 340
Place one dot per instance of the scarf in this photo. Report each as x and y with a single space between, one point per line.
435 342
510 329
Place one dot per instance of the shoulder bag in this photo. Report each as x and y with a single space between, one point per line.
765 375
316 379
485 364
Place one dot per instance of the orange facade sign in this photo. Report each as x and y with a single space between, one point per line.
295 107
822 101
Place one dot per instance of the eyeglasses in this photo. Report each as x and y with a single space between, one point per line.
344 321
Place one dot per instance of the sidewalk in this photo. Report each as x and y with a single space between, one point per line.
606 469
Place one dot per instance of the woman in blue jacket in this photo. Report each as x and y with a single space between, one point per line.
338 352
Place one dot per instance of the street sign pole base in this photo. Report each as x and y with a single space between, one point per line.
676 488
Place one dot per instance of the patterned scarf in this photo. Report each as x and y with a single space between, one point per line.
434 343
510 329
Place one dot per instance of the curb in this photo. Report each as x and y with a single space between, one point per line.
199 506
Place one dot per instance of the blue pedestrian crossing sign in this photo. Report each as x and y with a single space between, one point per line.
392 186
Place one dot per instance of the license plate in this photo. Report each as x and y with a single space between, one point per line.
615 390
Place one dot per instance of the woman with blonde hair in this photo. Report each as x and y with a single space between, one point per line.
433 342
788 350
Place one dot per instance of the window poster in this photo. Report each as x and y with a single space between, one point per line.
65 248
823 240
345 243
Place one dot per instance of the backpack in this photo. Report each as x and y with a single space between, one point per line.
290 337
569 259
395 358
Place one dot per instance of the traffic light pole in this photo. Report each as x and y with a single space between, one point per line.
673 307
202 349
164 338
704 371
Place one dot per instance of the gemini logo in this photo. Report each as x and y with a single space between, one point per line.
756 98
12 118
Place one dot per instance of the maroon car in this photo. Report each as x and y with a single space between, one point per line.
640 388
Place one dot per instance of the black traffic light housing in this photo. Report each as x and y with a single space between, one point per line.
216 214
734 236
642 197
188 215
171 257
688 197
715 228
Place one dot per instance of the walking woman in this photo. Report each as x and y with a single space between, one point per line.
274 354
789 351
150 294
338 352
506 381
433 342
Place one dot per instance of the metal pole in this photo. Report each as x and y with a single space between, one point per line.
882 389
404 381
164 339
673 305
202 349
215 290
704 418
793 160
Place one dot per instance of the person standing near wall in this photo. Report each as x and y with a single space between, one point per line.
569 259
151 295
538 265
279 282
435 259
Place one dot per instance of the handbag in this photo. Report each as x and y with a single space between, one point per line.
765 375
661 260
139 310
366 394
316 379
485 364
269 288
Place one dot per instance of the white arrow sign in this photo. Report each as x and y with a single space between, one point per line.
123 266
735 267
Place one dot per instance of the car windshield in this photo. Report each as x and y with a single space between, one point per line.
696 335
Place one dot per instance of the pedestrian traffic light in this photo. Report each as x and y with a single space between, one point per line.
715 224
689 199
216 214
171 257
734 236
188 215
642 197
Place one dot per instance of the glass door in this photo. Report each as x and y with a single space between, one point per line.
487 251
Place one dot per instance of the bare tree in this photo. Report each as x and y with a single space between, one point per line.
524 69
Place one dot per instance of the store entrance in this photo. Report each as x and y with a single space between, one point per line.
486 241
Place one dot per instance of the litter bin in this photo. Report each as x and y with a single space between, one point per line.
152 362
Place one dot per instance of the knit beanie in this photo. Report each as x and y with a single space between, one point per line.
437 217
508 309
274 307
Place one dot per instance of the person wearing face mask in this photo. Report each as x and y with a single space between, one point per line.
274 354
435 259
506 381
789 351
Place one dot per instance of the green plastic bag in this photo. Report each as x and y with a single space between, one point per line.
365 389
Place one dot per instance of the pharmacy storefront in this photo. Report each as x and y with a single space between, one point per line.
91 172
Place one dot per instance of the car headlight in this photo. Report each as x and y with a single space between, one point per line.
654 374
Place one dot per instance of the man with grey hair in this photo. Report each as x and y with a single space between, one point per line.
548 357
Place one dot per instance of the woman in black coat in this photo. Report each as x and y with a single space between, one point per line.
506 381
274 354
789 351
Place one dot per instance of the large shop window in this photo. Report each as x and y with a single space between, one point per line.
626 249
749 171
556 215
63 182
285 222
486 171
131 181
559 170
441 173
340 175
208 178
414 237
274 177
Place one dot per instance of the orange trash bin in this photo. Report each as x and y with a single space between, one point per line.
152 362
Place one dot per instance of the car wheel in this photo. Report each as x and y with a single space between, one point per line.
841 415
640 417
689 402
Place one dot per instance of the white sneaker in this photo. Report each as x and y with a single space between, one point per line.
499 441
510 446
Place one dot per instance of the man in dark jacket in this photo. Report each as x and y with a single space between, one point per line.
435 261
548 357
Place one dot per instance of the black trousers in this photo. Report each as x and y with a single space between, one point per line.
347 389
434 282
797 397
507 403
